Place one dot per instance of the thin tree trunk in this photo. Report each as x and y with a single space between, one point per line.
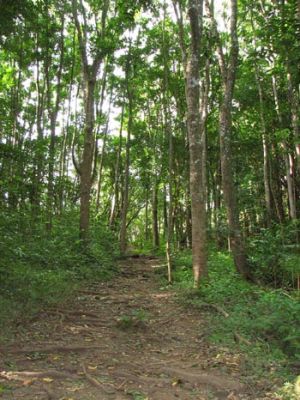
228 72
203 109
288 169
39 156
102 158
266 158
147 215
53 118
65 131
155 230
293 98
123 229
115 196
169 136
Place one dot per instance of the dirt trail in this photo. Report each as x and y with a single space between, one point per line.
125 339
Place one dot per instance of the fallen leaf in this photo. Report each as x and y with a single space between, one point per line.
28 382
176 382
48 380
92 367
232 396
66 398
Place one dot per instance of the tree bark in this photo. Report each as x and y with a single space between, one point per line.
169 137
265 144
53 111
104 140
123 229
115 195
289 171
228 73
155 230
90 76
197 190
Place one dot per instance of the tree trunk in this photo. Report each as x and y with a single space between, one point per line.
53 118
90 76
287 158
104 140
265 144
63 170
115 196
197 189
228 72
39 156
123 229
87 162
155 230
169 137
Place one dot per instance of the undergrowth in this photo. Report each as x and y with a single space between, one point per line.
268 319
274 254
39 269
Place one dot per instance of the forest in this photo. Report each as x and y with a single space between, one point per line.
150 170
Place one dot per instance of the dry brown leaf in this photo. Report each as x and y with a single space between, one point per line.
28 382
232 396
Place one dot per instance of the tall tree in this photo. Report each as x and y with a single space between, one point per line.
228 70
89 72
129 91
197 190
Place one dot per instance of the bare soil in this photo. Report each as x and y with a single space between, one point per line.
124 339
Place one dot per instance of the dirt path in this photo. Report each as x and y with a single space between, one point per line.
125 339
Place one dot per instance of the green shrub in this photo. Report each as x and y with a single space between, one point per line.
268 318
275 255
38 269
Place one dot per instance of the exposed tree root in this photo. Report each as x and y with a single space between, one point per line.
25 375
89 292
212 380
52 349
94 381
72 313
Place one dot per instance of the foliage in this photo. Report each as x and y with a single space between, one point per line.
43 126
135 320
267 318
290 391
39 269
275 255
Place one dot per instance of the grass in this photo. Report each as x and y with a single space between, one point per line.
39 270
268 319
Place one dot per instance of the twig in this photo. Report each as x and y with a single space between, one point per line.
240 339
94 381
121 385
217 308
